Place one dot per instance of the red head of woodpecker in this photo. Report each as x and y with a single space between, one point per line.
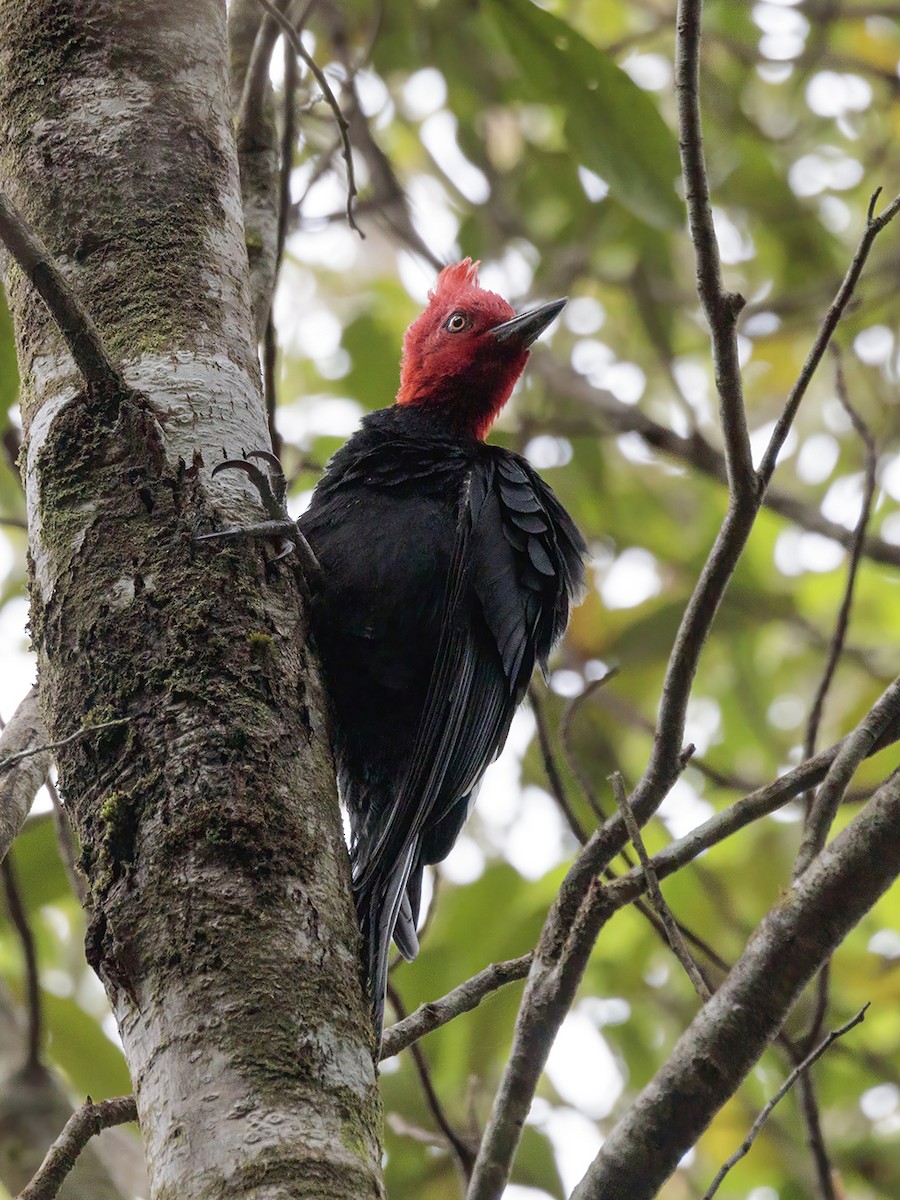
463 355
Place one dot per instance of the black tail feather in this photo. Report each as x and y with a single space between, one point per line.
379 904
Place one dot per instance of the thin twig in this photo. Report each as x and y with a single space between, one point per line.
18 789
330 99
557 787
601 414
462 1151
462 999
874 226
815 1137
779 1095
86 1122
574 762
673 933
758 804
721 308
854 749
843 619
84 731
65 840
80 333
19 919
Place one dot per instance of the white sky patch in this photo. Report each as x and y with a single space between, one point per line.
416 276
683 809
590 358
885 942
761 324
760 438
332 246
374 97
827 169
318 416
797 551
817 458
890 529
703 724
626 381
567 683
891 477
535 842
693 379
465 862
576 1142
762 1193
424 93
631 579
512 274
843 500
832 93
545 452
874 345
834 214
19 663
438 133
735 244
633 447
652 72
584 315
787 711
605 1010
582 1067
515 1191
880 1101
595 188
498 798
433 217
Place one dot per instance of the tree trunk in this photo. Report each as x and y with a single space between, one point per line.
221 922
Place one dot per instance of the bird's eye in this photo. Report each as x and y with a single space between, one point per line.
457 322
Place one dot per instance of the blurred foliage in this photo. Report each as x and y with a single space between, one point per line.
542 140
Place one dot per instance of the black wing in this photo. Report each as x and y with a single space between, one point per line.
516 569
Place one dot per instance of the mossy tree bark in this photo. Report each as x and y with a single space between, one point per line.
221 922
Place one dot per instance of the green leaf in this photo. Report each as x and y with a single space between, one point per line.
612 125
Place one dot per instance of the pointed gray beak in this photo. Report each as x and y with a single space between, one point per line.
528 326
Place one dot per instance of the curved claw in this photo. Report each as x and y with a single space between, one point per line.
241 464
277 480
272 497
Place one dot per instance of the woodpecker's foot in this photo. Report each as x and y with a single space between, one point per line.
272 488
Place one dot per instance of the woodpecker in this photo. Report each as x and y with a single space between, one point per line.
447 569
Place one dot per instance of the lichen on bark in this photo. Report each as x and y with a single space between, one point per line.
221 921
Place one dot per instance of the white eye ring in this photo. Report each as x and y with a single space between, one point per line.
457 323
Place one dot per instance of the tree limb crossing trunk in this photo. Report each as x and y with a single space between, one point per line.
221 920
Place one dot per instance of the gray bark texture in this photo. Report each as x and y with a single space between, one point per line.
221 921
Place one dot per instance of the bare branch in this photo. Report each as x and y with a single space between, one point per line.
854 750
80 333
721 308
319 75
758 804
461 1150
24 733
843 618
799 1070
462 999
84 731
673 933
731 1031
557 787
19 919
85 1123
874 226
65 840
605 414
